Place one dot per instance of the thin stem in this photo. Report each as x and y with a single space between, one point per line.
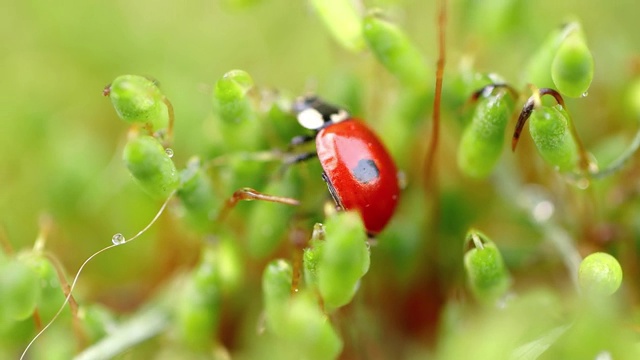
249 194
45 224
73 304
4 241
171 118
617 164
430 172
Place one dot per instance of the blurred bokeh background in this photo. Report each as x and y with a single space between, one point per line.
61 140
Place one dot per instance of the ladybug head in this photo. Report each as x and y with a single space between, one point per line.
315 114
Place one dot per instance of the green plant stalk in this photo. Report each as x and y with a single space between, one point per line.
143 326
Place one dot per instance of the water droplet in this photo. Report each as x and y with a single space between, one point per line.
585 94
604 355
542 211
583 183
538 202
169 152
118 239
560 108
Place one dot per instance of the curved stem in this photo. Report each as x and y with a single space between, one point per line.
75 279
73 304
618 163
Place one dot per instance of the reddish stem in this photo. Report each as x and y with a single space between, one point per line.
249 195
430 173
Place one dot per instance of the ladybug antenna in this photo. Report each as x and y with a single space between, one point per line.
314 114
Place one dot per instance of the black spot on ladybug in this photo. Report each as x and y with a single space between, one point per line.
366 171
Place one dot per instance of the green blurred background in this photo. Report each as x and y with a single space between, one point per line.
61 140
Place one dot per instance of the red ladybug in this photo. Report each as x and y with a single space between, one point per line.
358 169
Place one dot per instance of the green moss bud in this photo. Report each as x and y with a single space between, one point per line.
344 260
19 290
483 139
487 276
600 274
51 293
572 68
197 196
150 166
549 128
138 100
308 331
237 123
395 51
538 69
276 288
230 96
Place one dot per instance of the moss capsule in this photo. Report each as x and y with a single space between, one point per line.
344 259
150 166
487 276
395 51
19 290
137 99
483 139
600 274
237 123
549 128
276 289
572 67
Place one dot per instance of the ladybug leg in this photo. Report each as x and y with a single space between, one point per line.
300 140
300 158
332 191
249 195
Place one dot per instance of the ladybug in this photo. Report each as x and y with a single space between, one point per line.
358 170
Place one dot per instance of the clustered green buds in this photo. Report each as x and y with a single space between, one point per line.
343 21
276 291
297 321
151 166
487 276
395 51
564 61
483 139
137 99
600 274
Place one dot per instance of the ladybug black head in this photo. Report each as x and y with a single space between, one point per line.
314 114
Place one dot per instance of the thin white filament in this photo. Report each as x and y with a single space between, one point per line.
75 280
